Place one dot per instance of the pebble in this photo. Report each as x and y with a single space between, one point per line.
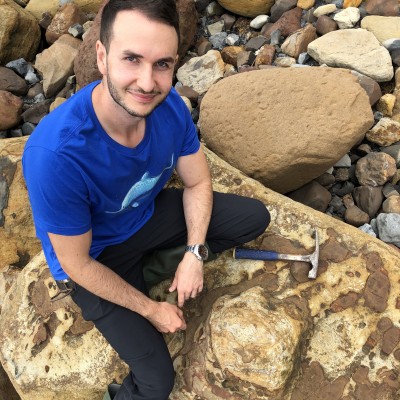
343 162
347 18
218 40
232 39
393 151
367 228
259 21
216 27
391 205
324 10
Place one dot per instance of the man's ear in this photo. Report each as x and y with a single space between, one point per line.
101 57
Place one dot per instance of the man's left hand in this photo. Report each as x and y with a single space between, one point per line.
188 280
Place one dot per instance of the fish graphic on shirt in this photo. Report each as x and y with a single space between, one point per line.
140 189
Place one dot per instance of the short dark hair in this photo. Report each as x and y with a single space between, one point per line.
158 10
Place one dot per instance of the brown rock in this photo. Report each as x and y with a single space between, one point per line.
288 23
229 54
375 169
36 112
247 8
10 110
188 92
377 291
371 87
345 301
11 82
313 195
203 47
280 7
266 55
356 217
67 16
85 64
368 199
384 324
385 133
298 41
391 205
390 340
269 152
19 33
325 25
385 8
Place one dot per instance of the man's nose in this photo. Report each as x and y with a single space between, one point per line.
145 79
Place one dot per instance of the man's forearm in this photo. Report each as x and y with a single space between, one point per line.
197 204
105 283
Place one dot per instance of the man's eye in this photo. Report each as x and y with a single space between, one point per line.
162 65
131 59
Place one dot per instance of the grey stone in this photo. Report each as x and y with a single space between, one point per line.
259 21
394 151
76 30
275 37
303 58
367 228
392 44
280 7
343 162
389 227
27 128
232 39
389 190
255 43
14 133
218 40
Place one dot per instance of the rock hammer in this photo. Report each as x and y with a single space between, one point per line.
267 255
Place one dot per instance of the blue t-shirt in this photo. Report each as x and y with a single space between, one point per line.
78 178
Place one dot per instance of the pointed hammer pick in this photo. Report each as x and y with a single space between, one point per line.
266 255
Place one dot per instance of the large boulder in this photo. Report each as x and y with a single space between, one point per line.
17 234
19 33
38 7
285 127
85 65
247 8
356 49
261 330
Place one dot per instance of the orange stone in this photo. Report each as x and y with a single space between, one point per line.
351 3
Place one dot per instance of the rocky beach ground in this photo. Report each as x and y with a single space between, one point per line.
362 188
319 121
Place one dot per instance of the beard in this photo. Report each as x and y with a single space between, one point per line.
119 100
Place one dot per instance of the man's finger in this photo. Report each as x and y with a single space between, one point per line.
181 299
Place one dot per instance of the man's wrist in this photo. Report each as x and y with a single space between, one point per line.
200 251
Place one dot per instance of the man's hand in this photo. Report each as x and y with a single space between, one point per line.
167 317
188 280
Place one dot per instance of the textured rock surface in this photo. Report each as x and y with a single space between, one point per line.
19 33
236 115
355 49
247 8
260 330
383 28
17 233
45 345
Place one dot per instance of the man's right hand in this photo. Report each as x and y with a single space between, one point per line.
167 318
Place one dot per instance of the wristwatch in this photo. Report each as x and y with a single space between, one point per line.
199 250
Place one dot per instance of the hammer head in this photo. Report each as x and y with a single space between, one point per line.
314 257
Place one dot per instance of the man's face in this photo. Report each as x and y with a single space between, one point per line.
139 65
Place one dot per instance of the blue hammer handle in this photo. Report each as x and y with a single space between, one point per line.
252 254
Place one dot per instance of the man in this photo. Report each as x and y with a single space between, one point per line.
95 170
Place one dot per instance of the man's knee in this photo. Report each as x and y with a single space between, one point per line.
259 217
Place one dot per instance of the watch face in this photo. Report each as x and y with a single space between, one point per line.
203 252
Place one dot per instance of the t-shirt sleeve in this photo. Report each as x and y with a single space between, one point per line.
191 142
57 192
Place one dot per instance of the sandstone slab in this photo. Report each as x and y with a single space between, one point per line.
19 33
236 122
245 8
327 331
356 49
16 225
383 28
56 63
